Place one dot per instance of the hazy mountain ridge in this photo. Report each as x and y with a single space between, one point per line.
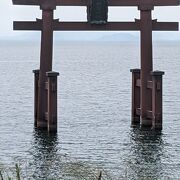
94 36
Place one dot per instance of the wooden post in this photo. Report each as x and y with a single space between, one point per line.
52 101
146 63
36 82
45 63
157 99
146 25
135 97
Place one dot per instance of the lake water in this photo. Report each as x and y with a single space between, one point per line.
94 108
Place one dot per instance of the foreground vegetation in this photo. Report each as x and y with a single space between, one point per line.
16 174
11 175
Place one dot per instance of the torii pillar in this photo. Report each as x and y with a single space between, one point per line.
45 61
146 62
147 84
45 106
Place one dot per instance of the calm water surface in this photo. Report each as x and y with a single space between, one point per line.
94 101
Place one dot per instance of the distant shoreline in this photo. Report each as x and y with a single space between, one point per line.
84 41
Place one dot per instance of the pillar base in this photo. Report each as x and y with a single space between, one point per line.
52 128
150 117
146 122
42 124
157 127
135 121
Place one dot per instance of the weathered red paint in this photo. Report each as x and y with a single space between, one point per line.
157 107
143 95
52 101
84 26
111 2
146 65
45 64
135 117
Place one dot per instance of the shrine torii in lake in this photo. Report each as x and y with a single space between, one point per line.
146 83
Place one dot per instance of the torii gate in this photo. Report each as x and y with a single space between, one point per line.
147 85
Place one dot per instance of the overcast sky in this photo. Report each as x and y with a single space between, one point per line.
9 12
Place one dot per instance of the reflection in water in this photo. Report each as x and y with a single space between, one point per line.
146 150
44 154
48 163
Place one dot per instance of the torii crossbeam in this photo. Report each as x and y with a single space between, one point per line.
88 2
142 103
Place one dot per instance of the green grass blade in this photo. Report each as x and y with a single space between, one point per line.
18 172
1 175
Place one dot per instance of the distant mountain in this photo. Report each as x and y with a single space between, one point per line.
119 37
92 36
157 36
58 36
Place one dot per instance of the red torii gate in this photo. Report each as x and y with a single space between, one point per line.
147 85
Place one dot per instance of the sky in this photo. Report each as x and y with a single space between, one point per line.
9 12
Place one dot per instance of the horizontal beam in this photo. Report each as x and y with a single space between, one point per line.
84 26
77 26
143 2
87 2
26 2
110 2
165 2
27 25
73 2
113 26
165 26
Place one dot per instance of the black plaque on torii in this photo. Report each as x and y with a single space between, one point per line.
143 106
